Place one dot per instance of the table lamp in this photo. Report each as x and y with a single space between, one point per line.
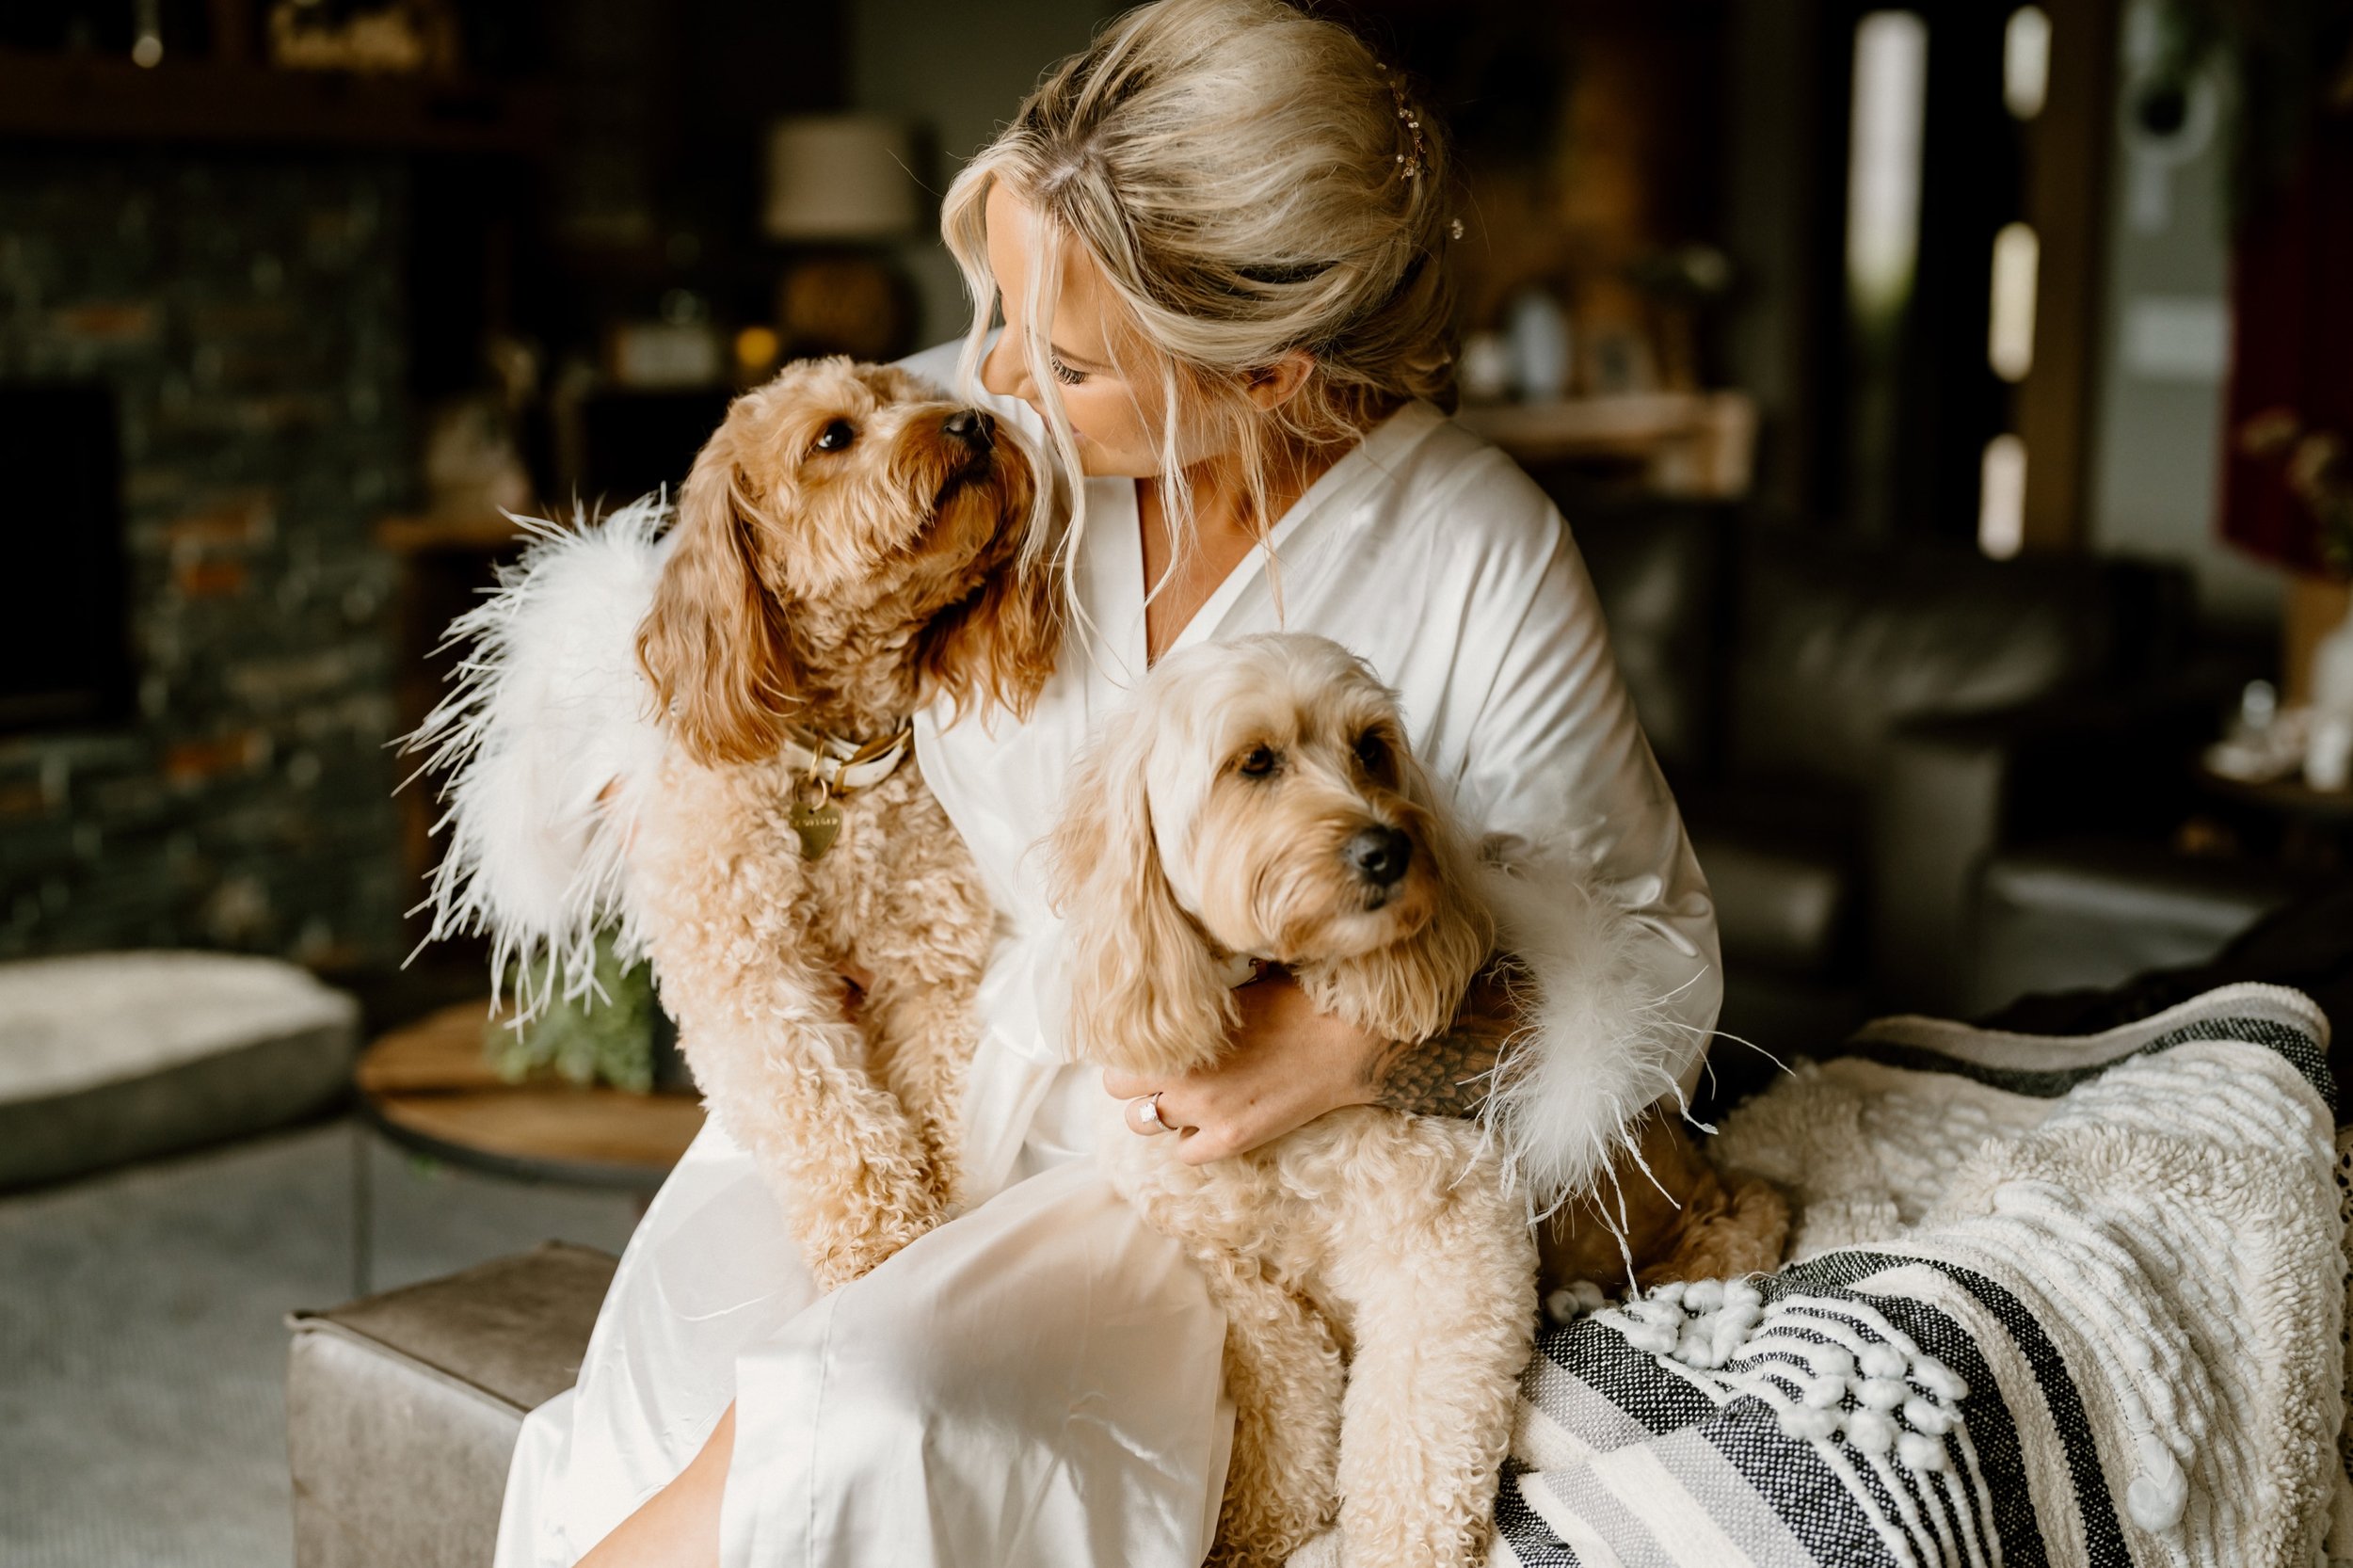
840 189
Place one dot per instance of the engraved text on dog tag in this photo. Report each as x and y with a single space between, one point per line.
816 824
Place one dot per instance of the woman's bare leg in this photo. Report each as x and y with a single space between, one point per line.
679 1525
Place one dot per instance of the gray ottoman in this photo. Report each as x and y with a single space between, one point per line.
110 1057
403 1408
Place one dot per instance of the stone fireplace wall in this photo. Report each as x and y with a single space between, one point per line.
246 310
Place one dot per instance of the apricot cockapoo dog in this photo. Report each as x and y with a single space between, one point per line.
848 546
1258 801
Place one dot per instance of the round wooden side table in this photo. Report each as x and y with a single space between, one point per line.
429 1089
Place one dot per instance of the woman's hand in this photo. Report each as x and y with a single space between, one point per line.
1290 1063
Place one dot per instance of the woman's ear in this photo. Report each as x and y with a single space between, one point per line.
1274 385
714 645
1146 994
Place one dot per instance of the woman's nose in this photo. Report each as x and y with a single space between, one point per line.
1006 371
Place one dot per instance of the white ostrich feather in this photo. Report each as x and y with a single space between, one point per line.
1600 1045
546 744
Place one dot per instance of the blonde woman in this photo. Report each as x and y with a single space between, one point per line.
1218 239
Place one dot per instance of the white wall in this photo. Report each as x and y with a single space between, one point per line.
960 70
2158 411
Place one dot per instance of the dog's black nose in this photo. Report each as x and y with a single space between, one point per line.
1380 855
976 427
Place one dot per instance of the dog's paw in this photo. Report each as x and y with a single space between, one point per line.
1730 1227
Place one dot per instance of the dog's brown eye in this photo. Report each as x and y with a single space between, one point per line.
835 435
1372 752
1257 763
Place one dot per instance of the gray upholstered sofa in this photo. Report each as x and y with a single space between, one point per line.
403 1408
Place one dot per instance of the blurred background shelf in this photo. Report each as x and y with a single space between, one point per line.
214 102
1687 443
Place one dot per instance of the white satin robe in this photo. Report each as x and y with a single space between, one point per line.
1038 1382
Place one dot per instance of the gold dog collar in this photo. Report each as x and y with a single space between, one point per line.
843 768
830 767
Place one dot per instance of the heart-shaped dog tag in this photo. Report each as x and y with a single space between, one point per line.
817 827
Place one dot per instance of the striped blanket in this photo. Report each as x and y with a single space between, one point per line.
2054 1300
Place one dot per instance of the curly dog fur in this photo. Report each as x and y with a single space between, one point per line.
848 546
1377 1273
1671 1215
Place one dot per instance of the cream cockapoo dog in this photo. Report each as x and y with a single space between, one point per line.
847 547
1259 802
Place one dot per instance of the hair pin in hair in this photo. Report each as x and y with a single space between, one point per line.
1410 162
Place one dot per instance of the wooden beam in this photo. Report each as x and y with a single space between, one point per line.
2068 157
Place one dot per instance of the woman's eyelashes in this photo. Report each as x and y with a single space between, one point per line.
1063 373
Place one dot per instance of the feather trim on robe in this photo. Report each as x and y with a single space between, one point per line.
546 742
1598 1044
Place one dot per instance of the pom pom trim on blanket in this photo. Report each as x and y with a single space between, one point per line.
2057 1301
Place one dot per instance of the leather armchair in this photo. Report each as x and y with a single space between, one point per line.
1959 787
1854 728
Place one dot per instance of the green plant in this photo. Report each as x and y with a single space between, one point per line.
602 1036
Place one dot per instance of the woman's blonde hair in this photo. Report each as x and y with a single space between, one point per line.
1251 183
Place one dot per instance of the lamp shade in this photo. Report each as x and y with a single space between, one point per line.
841 177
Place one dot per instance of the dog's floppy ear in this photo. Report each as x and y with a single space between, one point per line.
1146 993
998 647
1413 989
714 645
